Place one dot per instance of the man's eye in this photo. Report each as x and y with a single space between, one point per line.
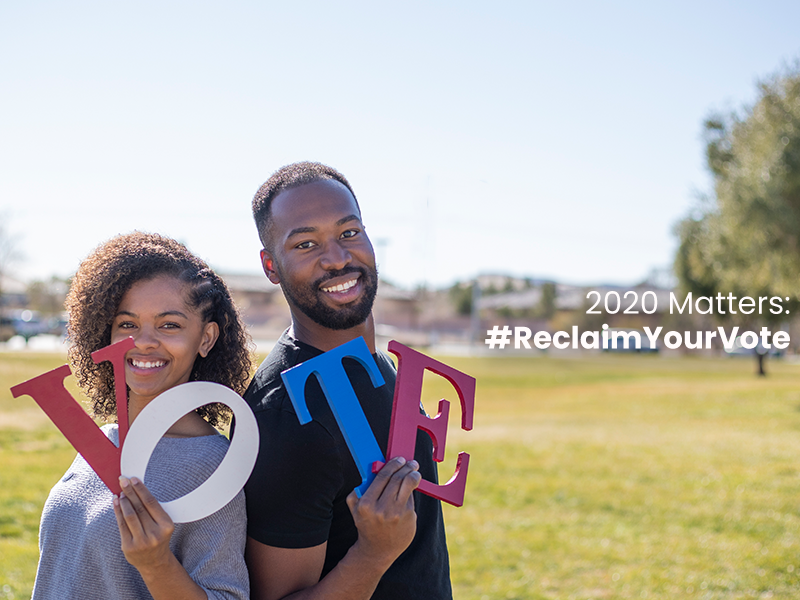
304 245
350 233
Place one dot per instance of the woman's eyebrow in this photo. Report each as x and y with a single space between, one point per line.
171 313
167 313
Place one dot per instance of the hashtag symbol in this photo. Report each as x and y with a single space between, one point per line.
498 336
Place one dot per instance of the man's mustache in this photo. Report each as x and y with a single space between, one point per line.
339 273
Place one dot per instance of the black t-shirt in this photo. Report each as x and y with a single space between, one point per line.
303 474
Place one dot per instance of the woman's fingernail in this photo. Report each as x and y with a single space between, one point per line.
124 481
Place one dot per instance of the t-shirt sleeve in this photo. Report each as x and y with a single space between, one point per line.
297 476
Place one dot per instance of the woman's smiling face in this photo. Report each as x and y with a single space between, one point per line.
168 332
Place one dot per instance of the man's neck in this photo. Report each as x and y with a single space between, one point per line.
307 331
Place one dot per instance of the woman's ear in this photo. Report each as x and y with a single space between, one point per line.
210 335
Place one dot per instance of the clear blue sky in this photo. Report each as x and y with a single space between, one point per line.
555 140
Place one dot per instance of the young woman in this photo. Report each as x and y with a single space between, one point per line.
186 328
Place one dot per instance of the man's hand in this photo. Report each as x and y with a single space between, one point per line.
385 515
386 524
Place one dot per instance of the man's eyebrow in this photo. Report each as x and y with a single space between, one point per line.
298 230
348 218
342 221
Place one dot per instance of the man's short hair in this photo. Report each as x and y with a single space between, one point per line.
285 178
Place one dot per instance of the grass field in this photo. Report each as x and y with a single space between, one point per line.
593 477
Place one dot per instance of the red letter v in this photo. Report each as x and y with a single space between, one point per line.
50 394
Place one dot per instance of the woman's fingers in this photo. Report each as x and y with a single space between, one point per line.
124 531
145 528
131 508
142 513
148 503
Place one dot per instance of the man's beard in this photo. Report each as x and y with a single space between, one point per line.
308 299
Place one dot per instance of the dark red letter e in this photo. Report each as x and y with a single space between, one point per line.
407 418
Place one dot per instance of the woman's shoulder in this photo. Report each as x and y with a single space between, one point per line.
111 431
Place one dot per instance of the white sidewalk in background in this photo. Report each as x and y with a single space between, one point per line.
38 343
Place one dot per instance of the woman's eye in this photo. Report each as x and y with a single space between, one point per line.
171 326
126 325
350 233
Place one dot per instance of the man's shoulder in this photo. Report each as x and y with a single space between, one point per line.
267 389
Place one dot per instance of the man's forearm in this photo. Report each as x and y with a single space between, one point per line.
355 577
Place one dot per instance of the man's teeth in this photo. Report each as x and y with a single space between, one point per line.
341 287
147 365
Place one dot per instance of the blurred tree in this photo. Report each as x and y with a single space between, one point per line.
47 297
461 297
745 239
9 252
547 305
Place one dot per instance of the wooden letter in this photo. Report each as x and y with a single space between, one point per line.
407 418
50 394
342 399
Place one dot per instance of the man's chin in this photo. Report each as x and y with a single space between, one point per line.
339 316
338 320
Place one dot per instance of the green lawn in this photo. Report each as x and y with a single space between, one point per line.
595 477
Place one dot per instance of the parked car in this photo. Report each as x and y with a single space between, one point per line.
27 323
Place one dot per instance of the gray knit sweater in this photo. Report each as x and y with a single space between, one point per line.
79 543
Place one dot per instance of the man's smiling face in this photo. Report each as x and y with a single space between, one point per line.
321 255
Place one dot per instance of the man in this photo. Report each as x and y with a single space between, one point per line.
302 535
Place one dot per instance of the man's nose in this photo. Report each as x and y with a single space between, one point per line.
335 257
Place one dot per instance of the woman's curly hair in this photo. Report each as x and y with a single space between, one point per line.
97 290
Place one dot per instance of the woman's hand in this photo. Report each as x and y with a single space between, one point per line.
144 527
145 530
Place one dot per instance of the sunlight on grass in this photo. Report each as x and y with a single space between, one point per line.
596 477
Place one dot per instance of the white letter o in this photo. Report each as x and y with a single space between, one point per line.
159 415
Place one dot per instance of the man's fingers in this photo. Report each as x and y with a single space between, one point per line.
391 491
408 485
383 477
352 500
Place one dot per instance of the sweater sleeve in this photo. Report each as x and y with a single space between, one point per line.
212 551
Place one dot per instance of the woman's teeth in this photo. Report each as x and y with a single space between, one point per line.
140 364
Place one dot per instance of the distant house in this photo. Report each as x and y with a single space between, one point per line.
13 293
261 303
396 307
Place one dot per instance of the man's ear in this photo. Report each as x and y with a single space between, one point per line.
268 263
